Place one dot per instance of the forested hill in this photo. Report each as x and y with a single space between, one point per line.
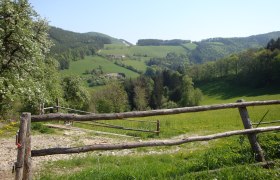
67 40
215 48
72 46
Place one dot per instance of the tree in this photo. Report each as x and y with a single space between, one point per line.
142 90
191 96
112 98
24 45
74 93
157 95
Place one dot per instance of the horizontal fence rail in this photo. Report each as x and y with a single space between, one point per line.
112 116
23 164
117 127
71 150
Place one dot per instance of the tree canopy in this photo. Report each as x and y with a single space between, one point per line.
24 61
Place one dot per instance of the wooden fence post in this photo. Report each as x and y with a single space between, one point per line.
57 105
158 127
41 109
27 173
21 139
252 137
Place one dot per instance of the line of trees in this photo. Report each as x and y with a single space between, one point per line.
255 68
164 89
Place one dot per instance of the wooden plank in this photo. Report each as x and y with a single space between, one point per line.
256 148
71 150
19 165
115 116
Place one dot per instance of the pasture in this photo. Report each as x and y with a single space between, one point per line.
142 51
218 159
90 62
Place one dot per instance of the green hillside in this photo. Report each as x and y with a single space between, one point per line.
112 39
216 48
73 46
79 67
137 56
141 51
67 40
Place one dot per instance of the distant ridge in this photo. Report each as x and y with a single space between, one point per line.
65 40
209 49
215 48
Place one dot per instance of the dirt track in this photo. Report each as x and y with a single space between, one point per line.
67 138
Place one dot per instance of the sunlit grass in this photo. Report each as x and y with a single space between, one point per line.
149 51
217 159
90 62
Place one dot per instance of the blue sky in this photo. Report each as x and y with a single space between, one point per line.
163 19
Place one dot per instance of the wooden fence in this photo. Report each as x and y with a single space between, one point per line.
23 164
154 126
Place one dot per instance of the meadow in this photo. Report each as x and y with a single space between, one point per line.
142 51
218 159
90 62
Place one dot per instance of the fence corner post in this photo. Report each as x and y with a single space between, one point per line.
21 144
252 137
27 170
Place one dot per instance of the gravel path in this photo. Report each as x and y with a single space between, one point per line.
8 150
67 138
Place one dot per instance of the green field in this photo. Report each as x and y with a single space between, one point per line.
148 51
217 159
190 46
138 64
89 63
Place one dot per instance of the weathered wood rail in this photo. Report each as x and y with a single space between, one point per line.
71 150
23 164
57 107
112 116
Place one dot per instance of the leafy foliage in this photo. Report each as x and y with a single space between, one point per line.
24 47
112 99
251 68
74 93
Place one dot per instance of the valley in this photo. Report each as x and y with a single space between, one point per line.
156 109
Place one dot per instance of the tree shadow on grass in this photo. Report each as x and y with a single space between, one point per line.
228 89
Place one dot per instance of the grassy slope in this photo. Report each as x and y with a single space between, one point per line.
193 157
150 51
79 67
137 64
190 46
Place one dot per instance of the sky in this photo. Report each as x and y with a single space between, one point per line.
163 19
